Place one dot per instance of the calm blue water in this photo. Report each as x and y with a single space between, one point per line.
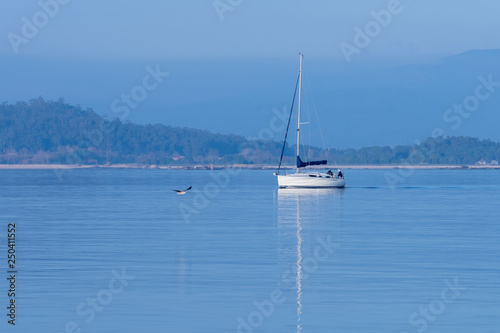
118 251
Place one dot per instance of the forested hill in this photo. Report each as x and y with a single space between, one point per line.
54 132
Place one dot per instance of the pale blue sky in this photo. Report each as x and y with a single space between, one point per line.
161 30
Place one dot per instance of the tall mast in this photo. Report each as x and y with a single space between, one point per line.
298 117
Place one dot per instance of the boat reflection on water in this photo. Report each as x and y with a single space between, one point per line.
304 215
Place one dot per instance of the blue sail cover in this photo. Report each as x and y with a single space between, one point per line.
301 164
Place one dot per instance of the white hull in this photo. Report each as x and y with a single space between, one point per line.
310 180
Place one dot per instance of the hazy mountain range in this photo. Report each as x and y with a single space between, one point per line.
356 105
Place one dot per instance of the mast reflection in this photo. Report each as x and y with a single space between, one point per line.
316 207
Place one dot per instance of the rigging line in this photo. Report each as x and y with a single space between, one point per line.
316 113
308 129
325 148
306 111
309 155
288 125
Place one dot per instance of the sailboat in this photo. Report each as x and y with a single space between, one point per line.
306 179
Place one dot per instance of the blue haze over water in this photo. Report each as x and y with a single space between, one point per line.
366 258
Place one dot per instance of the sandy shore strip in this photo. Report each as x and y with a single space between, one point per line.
42 166
233 166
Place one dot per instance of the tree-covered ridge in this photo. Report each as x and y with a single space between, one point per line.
55 132
440 150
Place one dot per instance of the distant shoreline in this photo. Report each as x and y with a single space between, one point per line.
233 166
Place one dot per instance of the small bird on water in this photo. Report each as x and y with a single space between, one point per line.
183 191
